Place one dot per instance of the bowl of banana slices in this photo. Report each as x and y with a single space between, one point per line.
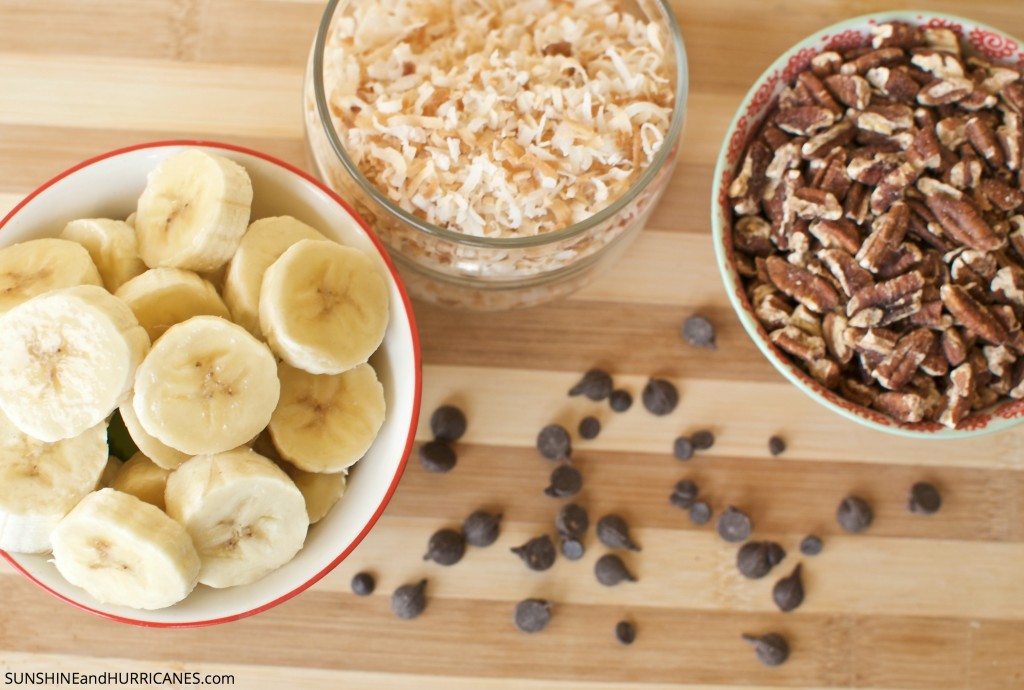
209 383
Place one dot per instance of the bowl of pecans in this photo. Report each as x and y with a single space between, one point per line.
867 218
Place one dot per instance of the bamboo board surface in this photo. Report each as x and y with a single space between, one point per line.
917 602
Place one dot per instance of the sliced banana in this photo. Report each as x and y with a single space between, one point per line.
143 479
321 490
126 552
40 482
263 243
162 297
327 422
323 307
160 453
67 359
207 386
31 268
110 471
193 211
245 516
112 246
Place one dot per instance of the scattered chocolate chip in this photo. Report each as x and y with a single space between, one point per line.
565 481
538 553
625 632
596 384
734 525
788 592
756 559
811 545
698 331
572 521
924 499
532 615
660 397
771 648
481 528
408 601
363 584
610 570
553 442
776 446
437 456
572 548
613 532
589 427
446 547
682 448
700 513
448 423
620 400
702 440
854 514
776 554
684 494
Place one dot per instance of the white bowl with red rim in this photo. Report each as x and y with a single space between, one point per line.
976 38
109 186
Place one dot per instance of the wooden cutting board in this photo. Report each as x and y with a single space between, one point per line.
917 602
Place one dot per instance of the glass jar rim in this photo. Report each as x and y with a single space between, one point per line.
661 158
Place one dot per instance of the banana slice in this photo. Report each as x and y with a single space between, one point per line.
110 471
160 453
67 359
245 516
40 482
321 490
207 386
112 246
162 297
323 307
31 268
325 423
193 211
264 242
143 479
126 552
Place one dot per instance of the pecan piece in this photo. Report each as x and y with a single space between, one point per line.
752 234
1013 96
814 204
798 343
962 221
959 396
886 293
841 233
850 89
870 167
898 34
877 343
1008 285
859 393
822 143
967 171
831 176
887 232
805 120
925 152
773 310
826 372
892 187
886 118
833 331
872 59
900 365
984 141
894 83
935 363
1002 195
971 266
907 257
909 408
826 63
813 292
940 38
945 91
819 93
930 315
942 64
1000 362
750 182
951 131
857 204
972 315
1011 138
848 273
954 346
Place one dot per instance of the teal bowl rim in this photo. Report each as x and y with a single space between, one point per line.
997 418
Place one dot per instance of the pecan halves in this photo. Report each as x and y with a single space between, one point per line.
886 293
848 273
749 185
804 120
959 396
752 234
896 370
962 221
798 343
886 235
985 141
894 83
972 315
806 288
909 408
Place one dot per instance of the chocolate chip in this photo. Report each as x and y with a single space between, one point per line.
702 440
776 553
771 648
538 553
682 448
589 427
596 384
409 601
620 400
700 513
924 499
481 528
448 423
610 570
756 559
363 584
572 548
788 592
446 547
553 442
684 494
854 514
565 481
776 446
811 545
734 525
660 397
437 456
613 532
698 331
572 521
532 615
625 632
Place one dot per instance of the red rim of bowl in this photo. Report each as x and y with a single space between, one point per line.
417 364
